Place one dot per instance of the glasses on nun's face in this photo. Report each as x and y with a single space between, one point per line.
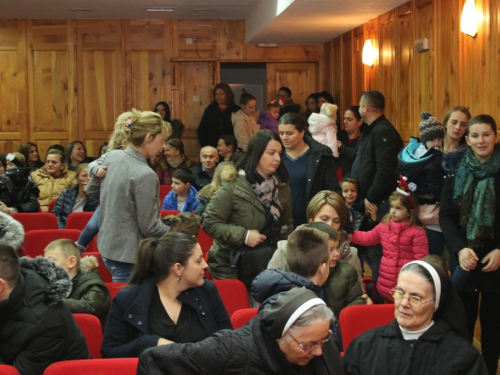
314 345
415 301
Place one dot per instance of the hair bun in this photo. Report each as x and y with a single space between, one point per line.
425 115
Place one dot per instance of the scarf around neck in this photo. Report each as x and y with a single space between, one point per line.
267 192
474 193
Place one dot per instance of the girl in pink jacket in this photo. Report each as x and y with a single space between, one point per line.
401 235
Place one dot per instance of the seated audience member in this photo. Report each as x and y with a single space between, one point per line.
182 197
341 287
89 294
185 222
18 192
227 147
428 335
167 299
292 336
36 328
75 154
268 119
225 171
58 147
11 232
174 159
74 199
204 171
52 179
31 155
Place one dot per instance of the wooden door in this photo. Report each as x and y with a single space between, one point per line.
301 78
192 84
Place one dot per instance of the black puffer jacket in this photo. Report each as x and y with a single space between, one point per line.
23 197
215 123
66 202
36 329
376 159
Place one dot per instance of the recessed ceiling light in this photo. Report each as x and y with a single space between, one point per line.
160 9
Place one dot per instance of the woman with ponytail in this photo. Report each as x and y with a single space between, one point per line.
167 299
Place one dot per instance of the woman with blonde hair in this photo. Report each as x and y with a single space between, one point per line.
129 192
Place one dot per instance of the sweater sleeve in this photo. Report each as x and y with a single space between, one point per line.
370 238
242 132
148 206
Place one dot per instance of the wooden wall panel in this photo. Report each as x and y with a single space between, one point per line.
347 71
358 68
206 34
101 78
283 53
231 39
14 90
371 81
51 80
337 71
387 68
402 114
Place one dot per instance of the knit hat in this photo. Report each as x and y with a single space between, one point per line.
430 128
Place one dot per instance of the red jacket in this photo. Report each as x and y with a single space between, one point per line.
400 244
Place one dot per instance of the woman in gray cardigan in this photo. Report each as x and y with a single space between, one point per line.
128 192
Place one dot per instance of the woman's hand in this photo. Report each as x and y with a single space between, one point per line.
468 259
493 261
162 341
255 238
372 211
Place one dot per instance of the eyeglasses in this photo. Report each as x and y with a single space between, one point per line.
312 346
415 301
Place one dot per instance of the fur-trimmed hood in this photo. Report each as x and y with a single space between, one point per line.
58 281
451 160
88 263
11 231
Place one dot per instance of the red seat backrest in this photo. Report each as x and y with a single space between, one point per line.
108 366
205 242
164 213
51 204
37 240
103 271
234 294
90 325
78 220
114 288
243 316
8 370
354 320
164 190
36 220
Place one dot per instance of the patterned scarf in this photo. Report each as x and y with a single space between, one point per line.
267 192
474 193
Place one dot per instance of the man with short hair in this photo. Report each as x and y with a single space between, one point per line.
204 172
285 101
375 163
36 328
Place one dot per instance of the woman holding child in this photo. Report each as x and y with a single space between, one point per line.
470 220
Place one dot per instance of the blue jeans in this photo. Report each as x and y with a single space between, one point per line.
90 230
459 278
436 241
120 271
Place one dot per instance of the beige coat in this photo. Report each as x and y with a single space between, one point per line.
50 187
244 127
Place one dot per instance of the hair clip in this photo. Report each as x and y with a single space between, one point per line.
128 123
10 157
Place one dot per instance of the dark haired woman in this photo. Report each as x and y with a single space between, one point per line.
348 139
470 221
325 97
163 110
75 154
216 119
167 299
245 120
174 159
251 207
30 152
310 164
311 105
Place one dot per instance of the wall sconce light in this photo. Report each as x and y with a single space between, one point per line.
469 19
368 54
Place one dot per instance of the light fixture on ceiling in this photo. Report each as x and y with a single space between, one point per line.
368 54
469 19
160 9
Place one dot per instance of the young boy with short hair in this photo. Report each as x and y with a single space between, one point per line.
182 197
89 294
185 222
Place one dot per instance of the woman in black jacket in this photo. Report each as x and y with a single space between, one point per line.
167 299
216 119
74 199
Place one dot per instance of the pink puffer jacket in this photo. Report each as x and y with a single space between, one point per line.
400 244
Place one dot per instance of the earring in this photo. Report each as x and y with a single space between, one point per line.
179 279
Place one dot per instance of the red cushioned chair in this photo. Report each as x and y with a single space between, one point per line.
114 288
92 247
52 204
36 220
78 220
109 366
243 316
8 370
90 325
103 271
205 242
164 190
234 294
354 320
37 240
164 213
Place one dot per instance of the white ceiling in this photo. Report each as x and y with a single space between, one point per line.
267 21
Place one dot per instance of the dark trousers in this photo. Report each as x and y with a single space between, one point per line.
489 316
436 241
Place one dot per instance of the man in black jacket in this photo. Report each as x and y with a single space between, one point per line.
36 329
375 163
